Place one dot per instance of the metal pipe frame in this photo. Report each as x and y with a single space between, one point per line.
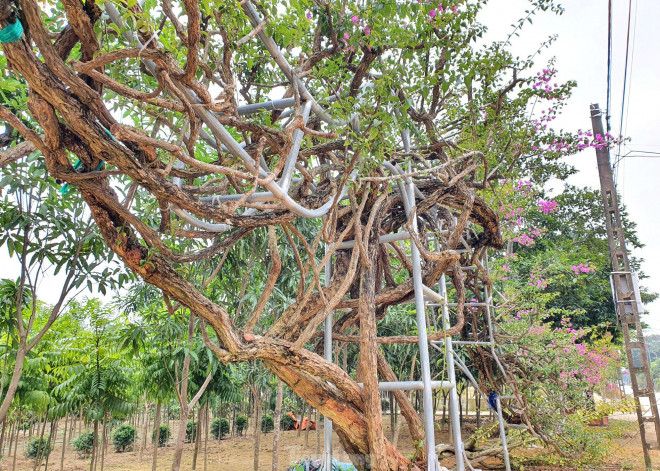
222 136
505 448
278 191
451 373
411 385
327 355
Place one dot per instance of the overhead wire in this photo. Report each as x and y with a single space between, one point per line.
609 65
625 75
627 87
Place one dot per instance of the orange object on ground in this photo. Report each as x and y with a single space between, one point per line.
306 422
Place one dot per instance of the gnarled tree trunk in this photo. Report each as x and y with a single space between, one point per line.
67 101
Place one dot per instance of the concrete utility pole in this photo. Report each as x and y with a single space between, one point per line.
625 291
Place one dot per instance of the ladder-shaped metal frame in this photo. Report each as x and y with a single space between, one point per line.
446 346
426 298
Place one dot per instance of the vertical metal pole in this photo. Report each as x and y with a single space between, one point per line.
327 354
454 415
425 366
505 449
491 335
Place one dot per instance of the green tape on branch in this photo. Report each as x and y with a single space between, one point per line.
11 33
66 187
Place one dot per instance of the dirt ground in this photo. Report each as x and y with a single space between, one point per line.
236 454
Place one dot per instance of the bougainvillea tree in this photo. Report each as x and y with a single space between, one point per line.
189 126
555 317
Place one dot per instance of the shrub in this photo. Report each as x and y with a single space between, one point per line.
385 404
163 435
123 437
220 428
267 423
287 422
38 446
191 431
84 443
241 424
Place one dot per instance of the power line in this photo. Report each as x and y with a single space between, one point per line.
632 68
609 65
639 154
623 95
627 86
625 75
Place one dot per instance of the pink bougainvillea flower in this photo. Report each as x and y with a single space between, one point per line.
432 13
309 15
367 31
347 36
355 19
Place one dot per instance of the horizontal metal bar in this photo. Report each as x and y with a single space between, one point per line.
470 342
411 385
349 244
281 104
507 397
429 293
464 304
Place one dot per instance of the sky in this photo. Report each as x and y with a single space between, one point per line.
581 54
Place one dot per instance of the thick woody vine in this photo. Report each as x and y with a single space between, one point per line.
208 195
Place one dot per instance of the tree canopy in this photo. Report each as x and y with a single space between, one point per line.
228 153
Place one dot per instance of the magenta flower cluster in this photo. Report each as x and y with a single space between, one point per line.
592 365
582 141
440 9
510 212
527 238
582 268
543 83
578 362
523 185
525 312
365 29
536 279
473 309
547 207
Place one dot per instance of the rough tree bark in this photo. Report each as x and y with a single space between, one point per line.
276 423
66 99
145 428
367 370
256 394
66 424
156 435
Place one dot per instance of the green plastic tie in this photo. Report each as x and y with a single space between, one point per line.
11 33
66 187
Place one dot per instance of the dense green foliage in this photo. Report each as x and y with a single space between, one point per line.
84 443
191 431
241 424
267 423
164 435
38 448
124 437
219 427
